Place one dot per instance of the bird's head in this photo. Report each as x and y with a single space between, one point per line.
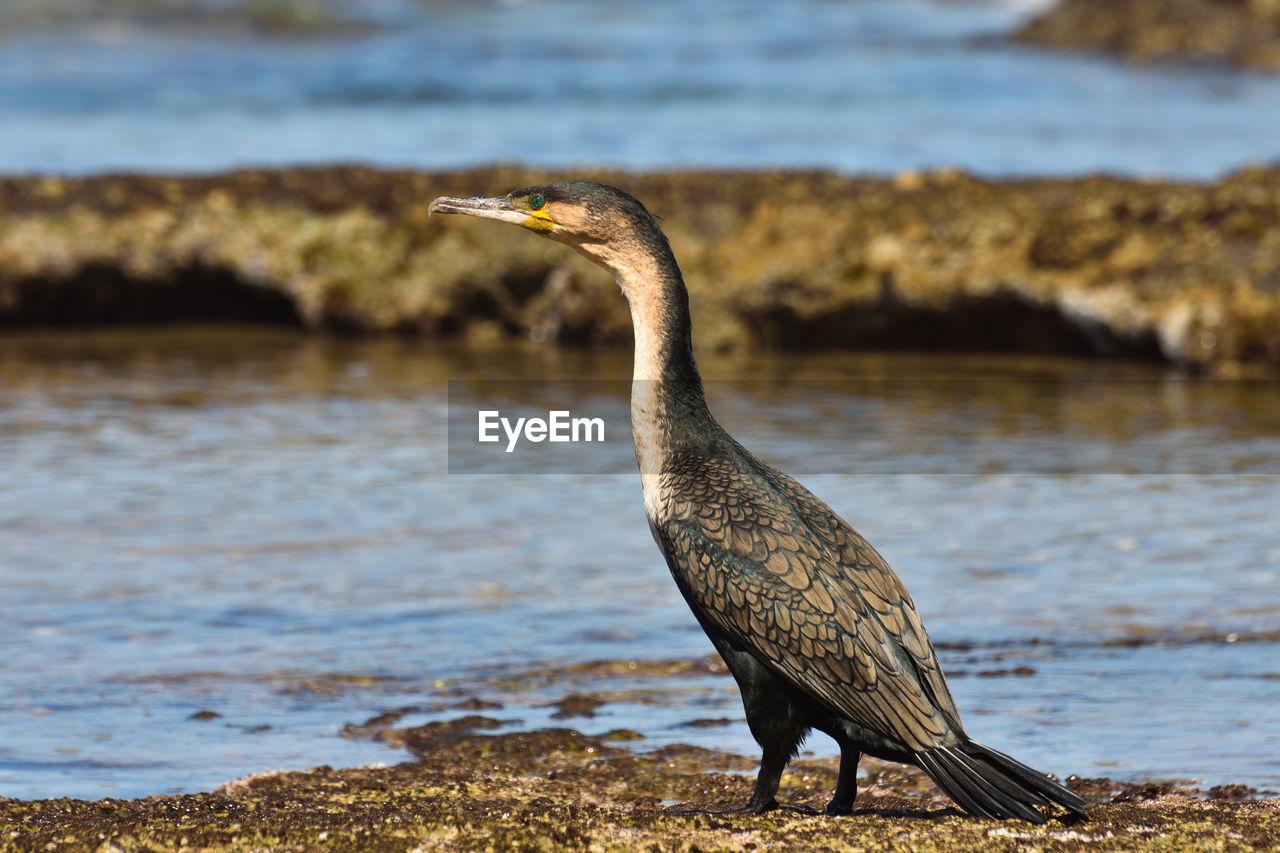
606 224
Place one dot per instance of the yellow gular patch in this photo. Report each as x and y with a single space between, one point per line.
539 220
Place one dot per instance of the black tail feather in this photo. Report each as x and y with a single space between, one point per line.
990 791
928 762
1015 787
988 783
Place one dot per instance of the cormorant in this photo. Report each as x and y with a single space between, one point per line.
813 624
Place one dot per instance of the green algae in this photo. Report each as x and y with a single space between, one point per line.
1188 273
557 789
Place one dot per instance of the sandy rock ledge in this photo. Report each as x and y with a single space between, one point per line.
1182 272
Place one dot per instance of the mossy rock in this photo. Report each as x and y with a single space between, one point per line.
557 789
1183 272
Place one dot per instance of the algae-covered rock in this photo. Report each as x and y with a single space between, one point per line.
557 789
1244 33
1180 271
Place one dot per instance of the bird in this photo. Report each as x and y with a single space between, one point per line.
812 623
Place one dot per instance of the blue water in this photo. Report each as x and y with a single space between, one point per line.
264 526
871 86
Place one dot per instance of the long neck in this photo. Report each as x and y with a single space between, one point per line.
668 408
660 319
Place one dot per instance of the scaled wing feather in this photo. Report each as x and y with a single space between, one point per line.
773 567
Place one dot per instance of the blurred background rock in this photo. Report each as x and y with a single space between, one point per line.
1242 33
933 260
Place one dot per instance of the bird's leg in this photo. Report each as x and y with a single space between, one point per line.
847 785
772 763
763 798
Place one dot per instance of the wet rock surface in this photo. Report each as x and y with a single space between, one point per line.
559 789
1188 273
1243 33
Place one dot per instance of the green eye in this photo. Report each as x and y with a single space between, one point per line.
537 202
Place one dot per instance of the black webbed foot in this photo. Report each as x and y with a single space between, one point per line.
685 812
752 808
763 797
800 808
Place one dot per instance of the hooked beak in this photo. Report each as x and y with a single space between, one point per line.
487 208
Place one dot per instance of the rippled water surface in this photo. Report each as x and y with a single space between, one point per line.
874 85
263 526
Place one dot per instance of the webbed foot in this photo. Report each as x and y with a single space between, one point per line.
750 808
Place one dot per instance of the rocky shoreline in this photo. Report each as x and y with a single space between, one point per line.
1182 272
562 790
1239 33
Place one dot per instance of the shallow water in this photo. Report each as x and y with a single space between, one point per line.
261 525
875 85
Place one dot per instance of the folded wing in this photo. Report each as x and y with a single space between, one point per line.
774 568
